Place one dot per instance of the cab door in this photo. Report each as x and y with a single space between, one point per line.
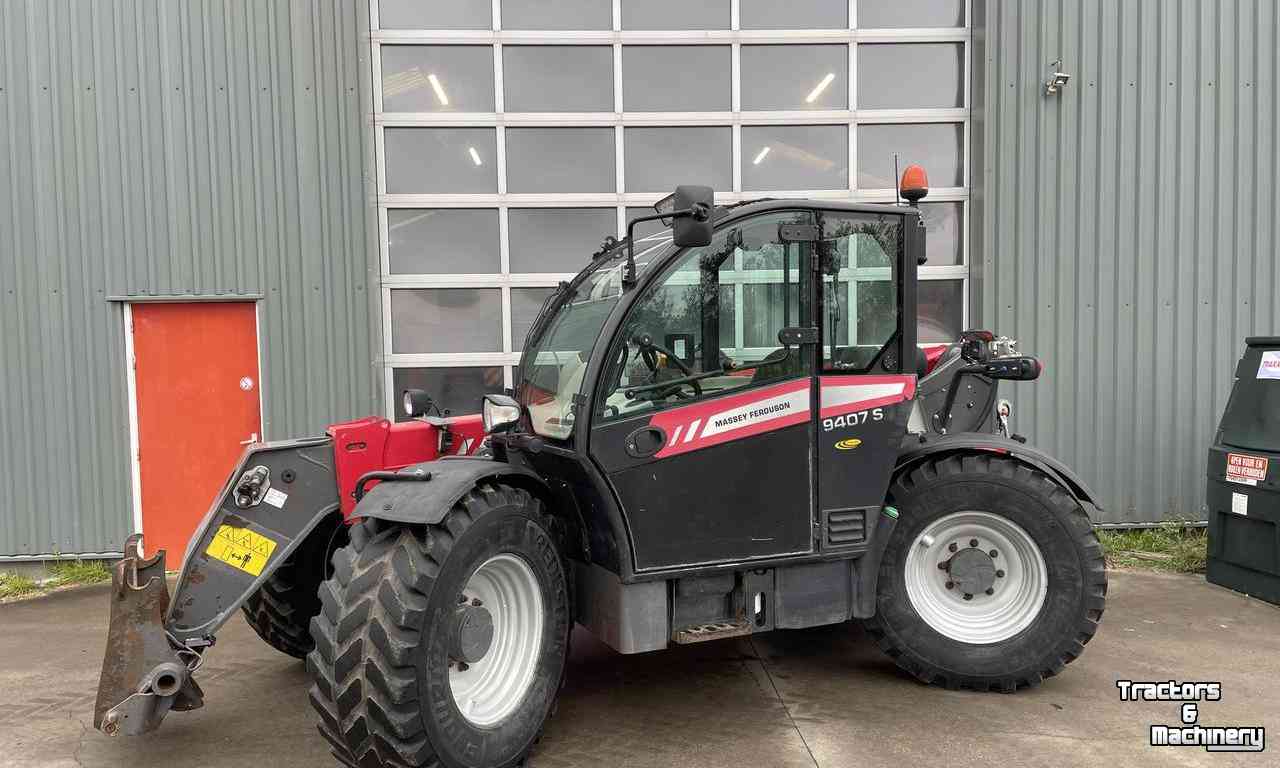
867 375
717 468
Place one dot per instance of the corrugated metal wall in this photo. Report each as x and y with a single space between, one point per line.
153 148
1127 228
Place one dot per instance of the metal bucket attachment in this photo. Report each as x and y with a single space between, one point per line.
143 674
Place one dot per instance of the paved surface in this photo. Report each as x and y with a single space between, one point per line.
821 697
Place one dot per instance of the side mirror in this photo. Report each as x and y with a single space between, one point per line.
689 211
692 221
499 413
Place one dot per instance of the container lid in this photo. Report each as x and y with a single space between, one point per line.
1252 417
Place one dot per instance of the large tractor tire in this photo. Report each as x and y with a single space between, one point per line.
443 644
280 611
993 578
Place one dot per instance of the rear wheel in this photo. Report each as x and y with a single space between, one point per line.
443 643
993 577
280 610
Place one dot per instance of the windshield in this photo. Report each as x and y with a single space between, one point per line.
559 346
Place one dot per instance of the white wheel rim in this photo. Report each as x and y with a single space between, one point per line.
1018 592
489 690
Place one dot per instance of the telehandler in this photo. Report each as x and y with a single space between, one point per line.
723 429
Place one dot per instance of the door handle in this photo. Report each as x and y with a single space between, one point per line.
645 442
252 439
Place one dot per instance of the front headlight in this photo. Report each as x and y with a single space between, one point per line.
415 403
499 413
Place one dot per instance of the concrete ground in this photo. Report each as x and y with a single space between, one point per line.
823 697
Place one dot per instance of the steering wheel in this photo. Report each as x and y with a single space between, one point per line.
649 354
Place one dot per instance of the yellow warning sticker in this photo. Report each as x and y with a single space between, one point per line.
241 548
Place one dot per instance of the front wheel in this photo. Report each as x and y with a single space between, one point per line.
443 644
993 578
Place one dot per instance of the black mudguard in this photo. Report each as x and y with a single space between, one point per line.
430 489
968 442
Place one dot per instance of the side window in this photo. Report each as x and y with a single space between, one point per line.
710 324
858 255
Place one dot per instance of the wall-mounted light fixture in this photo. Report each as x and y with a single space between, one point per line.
1057 80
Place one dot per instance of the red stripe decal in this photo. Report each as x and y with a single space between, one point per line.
701 425
848 394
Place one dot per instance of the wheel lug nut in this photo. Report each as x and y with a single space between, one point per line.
950 584
994 553
944 565
968 596
990 591
476 602
973 542
952 546
1000 574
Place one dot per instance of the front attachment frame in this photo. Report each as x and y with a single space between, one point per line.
277 495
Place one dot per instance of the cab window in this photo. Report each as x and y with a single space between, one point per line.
710 324
858 257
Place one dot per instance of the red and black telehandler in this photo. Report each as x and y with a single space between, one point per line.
722 429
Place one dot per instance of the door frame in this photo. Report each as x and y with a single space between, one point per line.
131 379
587 434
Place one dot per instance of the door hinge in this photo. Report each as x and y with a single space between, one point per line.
798 233
796 335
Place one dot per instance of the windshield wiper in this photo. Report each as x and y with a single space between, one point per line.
565 291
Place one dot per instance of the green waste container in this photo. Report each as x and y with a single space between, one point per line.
1243 496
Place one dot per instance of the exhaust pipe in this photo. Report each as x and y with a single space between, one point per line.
143 674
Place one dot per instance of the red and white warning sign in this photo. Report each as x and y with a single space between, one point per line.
1246 469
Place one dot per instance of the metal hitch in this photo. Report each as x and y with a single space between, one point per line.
144 673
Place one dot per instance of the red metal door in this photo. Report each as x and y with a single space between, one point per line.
196 386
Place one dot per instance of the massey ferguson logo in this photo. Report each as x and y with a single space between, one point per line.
752 415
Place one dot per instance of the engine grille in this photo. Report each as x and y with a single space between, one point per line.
845 527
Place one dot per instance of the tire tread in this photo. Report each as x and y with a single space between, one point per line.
365 686
1069 512
280 610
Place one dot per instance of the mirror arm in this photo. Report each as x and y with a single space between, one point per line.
700 212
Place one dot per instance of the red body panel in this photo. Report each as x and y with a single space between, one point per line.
373 443
932 354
